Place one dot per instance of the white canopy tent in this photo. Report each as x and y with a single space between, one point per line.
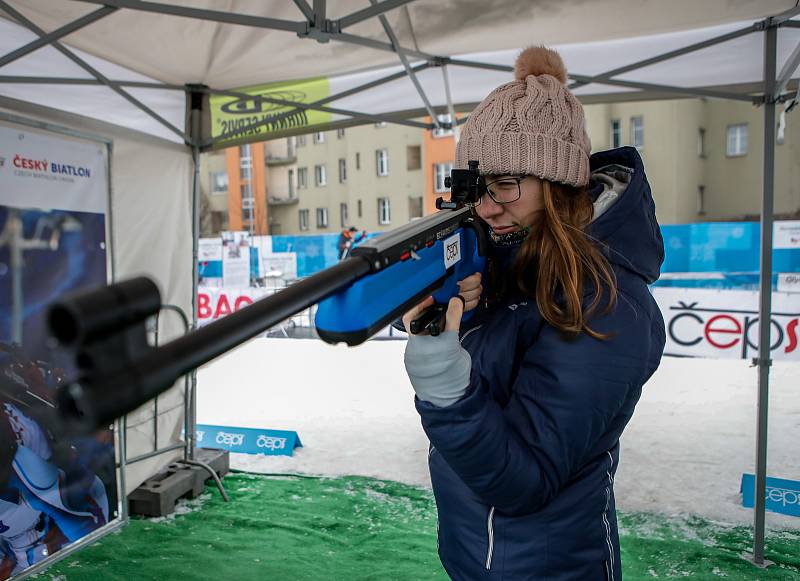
165 79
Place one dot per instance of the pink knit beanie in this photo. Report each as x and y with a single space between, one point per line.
533 125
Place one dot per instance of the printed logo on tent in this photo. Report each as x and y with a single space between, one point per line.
248 440
781 496
268 108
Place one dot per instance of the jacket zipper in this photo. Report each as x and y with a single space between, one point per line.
468 333
490 529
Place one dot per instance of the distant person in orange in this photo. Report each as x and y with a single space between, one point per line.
347 239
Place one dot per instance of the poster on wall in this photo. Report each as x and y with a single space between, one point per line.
53 204
724 324
236 259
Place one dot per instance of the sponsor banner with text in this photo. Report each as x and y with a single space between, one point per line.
724 324
248 440
261 110
782 496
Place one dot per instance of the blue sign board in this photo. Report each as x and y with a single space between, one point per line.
782 496
248 440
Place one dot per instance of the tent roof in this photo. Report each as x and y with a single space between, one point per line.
135 41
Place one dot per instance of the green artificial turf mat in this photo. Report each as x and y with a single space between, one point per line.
350 529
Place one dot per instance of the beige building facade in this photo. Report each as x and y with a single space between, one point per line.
369 177
703 158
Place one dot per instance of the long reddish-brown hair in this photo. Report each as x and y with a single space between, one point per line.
558 262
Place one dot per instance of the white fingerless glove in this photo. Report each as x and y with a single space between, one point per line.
438 367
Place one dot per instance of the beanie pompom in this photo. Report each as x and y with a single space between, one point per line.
538 60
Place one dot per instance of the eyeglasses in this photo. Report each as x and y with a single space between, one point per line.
504 190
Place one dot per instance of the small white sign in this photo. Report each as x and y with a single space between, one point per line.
789 282
786 234
452 250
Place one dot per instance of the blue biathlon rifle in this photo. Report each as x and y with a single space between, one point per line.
103 335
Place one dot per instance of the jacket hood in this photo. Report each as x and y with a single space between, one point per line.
628 227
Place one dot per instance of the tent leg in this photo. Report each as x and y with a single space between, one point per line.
765 307
196 100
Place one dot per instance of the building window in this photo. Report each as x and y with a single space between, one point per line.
343 214
319 137
413 157
381 124
302 178
701 200
358 160
300 141
637 132
737 140
616 133
441 171
382 159
322 217
443 132
246 190
342 171
219 182
247 217
384 211
245 162
360 210
291 183
340 133
303 215
320 175
701 142
414 207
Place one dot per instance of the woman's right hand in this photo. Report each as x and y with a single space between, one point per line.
471 289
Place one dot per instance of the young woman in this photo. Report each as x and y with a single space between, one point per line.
525 402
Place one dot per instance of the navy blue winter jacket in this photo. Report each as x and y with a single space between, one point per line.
523 465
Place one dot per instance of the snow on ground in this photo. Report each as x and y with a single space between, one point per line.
692 437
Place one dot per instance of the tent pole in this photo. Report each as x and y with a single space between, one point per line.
765 292
196 100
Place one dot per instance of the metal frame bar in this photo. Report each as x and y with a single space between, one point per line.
92 71
376 44
669 55
403 59
56 34
786 15
765 295
305 9
366 13
786 72
202 14
671 89
90 82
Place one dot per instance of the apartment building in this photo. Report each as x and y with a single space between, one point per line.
703 158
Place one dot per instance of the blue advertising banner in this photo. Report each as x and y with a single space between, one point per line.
248 440
53 203
782 496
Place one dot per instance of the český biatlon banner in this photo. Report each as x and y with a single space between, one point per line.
53 204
